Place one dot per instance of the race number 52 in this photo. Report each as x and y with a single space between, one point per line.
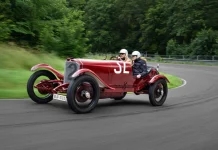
120 69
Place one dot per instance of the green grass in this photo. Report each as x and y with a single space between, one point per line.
15 65
174 80
14 57
13 83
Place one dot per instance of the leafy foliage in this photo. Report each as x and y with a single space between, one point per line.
74 27
6 22
205 43
63 39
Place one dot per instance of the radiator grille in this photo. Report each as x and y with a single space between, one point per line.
69 69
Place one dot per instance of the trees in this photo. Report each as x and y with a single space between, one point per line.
114 24
210 11
72 27
154 28
100 25
59 36
51 24
6 22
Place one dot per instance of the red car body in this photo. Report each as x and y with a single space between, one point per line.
114 78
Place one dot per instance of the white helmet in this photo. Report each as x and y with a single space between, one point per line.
136 53
124 51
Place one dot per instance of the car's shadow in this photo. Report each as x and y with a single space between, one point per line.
108 103
123 103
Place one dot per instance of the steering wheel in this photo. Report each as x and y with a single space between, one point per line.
113 58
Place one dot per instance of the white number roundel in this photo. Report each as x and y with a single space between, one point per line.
120 69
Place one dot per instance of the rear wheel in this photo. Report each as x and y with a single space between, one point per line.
121 97
158 92
83 94
36 95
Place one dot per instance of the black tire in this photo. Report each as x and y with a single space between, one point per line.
154 92
71 94
120 98
31 82
136 93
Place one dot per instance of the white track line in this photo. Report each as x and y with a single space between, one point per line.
184 83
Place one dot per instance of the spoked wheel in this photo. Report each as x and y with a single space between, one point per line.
158 92
83 94
121 97
39 95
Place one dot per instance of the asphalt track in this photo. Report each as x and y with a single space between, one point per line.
187 121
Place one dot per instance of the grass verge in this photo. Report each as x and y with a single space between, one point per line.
174 80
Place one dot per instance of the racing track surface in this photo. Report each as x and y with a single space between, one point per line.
187 121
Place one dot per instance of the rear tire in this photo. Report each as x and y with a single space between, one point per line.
30 88
120 98
157 90
73 94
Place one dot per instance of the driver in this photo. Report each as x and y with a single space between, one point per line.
124 56
139 65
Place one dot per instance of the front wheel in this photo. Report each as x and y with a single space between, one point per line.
39 96
83 94
158 92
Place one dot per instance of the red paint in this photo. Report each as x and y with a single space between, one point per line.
45 66
62 88
90 72
105 70
157 77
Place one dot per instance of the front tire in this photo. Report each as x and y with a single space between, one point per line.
76 94
158 92
30 86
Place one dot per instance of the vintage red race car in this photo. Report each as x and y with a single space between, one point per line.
85 81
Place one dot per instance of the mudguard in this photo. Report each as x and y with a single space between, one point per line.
47 67
94 75
157 77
